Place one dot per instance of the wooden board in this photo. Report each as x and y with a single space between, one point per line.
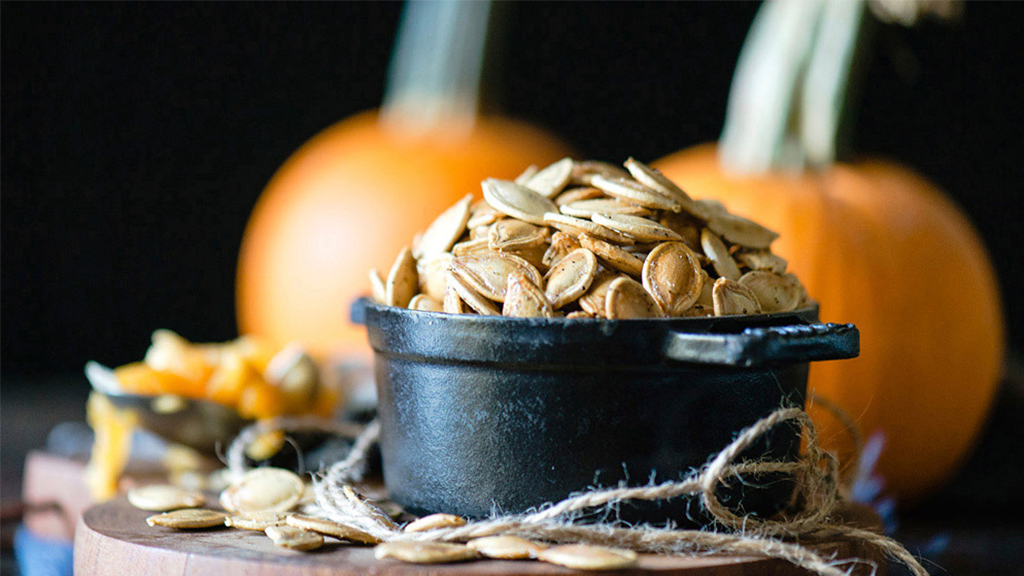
113 539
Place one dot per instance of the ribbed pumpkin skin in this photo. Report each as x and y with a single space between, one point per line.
879 246
346 202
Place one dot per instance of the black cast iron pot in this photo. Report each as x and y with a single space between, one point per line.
482 413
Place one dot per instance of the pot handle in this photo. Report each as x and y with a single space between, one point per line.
768 345
357 311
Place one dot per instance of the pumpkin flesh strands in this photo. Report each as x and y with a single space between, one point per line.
627 244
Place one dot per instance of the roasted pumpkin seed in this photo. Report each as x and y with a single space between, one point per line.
506 547
331 528
587 208
774 293
403 281
517 201
525 300
257 521
263 490
612 255
510 235
628 190
731 298
571 277
723 262
672 275
584 557
424 552
636 227
164 497
294 538
425 303
188 519
445 230
627 298
435 521
552 179
488 272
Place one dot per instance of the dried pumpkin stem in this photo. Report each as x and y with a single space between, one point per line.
435 72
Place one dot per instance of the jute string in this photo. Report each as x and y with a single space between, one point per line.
812 521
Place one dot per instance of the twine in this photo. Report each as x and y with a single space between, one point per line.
786 537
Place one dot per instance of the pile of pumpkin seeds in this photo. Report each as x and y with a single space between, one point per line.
268 499
587 239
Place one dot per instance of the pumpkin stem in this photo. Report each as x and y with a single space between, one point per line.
435 72
790 85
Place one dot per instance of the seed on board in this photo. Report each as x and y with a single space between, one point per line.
628 190
294 538
378 290
584 557
435 521
188 519
583 172
731 297
552 179
331 528
367 508
577 226
530 171
506 547
403 281
525 300
263 490
571 277
445 229
509 235
425 303
587 208
164 497
432 273
762 260
774 293
672 275
739 230
424 552
593 302
517 201
627 298
577 194
488 272
257 521
471 297
715 249
612 255
637 227
561 245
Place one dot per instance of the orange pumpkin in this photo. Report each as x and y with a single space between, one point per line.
877 245
348 199
346 202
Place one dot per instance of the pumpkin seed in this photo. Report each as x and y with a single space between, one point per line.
263 490
164 497
188 519
672 275
446 229
612 255
762 260
706 300
471 297
294 372
571 277
365 508
580 315
257 521
593 302
577 194
424 552
561 245
534 255
506 547
530 171
294 538
482 214
628 190
587 208
517 201
452 303
774 293
488 272
551 180
378 290
686 226
657 181
403 281
425 303
525 300
577 226
331 528
435 521
584 557
723 262
636 227
627 298
583 172
472 247
432 273
480 232
739 230
510 235
731 297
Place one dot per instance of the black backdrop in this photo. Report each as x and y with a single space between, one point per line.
136 137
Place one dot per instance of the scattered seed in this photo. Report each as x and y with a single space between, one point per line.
263 490
583 557
164 497
435 521
257 521
506 547
188 519
331 528
424 552
294 538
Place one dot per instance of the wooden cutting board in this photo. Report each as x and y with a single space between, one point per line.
112 539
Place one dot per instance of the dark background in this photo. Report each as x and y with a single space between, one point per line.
137 137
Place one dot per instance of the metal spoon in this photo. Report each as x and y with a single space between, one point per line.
199 424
